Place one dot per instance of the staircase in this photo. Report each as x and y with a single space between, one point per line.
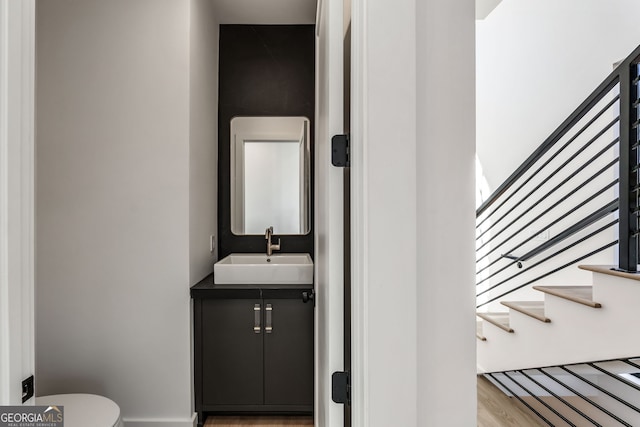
554 333
569 324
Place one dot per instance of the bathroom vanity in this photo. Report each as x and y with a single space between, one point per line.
253 348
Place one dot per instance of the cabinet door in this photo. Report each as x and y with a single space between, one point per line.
232 368
288 352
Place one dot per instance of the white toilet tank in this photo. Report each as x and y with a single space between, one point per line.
85 410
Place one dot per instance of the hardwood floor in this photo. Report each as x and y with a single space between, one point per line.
494 410
259 421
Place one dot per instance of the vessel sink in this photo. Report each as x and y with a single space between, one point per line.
260 269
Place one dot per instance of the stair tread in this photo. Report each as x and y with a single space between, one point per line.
610 269
579 294
533 309
499 319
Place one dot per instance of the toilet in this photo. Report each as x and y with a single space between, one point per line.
84 410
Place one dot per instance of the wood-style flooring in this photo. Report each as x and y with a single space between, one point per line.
495 409
260 421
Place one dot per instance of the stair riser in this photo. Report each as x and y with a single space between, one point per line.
597 333
518 352
520 321
490 331
616 292
576 333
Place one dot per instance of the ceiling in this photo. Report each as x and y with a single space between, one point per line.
268 12
293 11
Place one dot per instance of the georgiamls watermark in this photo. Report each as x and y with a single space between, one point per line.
31 416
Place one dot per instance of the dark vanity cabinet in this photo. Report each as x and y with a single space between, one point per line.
232 361
254 349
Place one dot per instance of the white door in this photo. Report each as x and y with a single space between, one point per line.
17 53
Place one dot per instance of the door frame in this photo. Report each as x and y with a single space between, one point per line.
359 215
17 172
17 195
329 238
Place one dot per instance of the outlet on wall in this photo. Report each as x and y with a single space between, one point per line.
212 243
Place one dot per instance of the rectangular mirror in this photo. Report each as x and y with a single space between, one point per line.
270 175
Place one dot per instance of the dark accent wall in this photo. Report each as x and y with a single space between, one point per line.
264 70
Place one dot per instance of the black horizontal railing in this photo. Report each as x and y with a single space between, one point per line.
568 212
570 231
544 197
585 398
574 395
508 197
556 208
545 404
553 270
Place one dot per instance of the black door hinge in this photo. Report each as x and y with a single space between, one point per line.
341 387
309 296
340 151
27 389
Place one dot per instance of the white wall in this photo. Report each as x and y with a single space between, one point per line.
114 142
17 46
413 207
537 60
390 182
260 12
328 211
485 7
445 163
203 138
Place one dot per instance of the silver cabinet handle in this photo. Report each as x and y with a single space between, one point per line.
269 326
256 318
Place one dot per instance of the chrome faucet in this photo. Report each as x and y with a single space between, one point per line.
271 247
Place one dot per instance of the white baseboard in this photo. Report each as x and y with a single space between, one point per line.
161 422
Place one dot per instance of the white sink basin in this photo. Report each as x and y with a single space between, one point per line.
259 269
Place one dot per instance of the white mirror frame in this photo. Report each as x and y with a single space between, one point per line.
268 129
